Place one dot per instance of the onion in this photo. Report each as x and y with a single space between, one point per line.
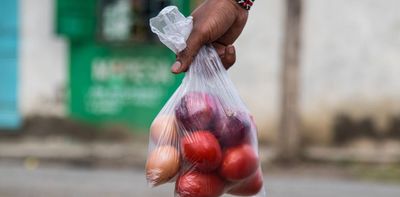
162 165
163 130
196 111
232 127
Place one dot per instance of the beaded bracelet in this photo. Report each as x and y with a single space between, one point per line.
246 4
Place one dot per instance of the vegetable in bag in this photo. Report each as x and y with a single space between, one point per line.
204 138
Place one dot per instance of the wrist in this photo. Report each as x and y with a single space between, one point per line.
245 4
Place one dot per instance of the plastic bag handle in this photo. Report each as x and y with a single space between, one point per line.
172 28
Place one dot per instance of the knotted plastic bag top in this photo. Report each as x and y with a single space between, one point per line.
172 28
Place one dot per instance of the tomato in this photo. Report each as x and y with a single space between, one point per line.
248 187
198 184
238 162
202 149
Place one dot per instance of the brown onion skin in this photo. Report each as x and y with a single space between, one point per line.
163 130
238 162
198 184
249 187
196 111
162 164
202 150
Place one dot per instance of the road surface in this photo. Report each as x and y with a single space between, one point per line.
61 181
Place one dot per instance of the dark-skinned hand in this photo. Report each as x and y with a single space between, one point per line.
219 22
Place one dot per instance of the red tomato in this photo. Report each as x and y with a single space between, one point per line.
238 163
248 187
198 184
202 149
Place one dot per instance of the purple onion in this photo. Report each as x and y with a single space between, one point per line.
232 127
196 111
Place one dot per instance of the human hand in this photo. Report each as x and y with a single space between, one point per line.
219 22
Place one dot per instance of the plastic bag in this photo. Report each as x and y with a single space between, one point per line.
204 138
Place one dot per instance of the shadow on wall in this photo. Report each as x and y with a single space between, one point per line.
347 129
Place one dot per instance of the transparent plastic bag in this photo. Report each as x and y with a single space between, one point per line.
204 138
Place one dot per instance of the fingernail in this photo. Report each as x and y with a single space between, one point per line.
176 67
231 49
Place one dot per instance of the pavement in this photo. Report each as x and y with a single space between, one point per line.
30 180
59 166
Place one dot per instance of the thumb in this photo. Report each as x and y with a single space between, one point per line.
186 57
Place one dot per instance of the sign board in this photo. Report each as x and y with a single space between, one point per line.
120 85
9 116
119 72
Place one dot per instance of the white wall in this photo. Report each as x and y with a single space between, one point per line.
43 59
351 60
350 63
257 69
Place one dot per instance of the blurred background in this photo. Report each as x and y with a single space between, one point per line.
81 81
